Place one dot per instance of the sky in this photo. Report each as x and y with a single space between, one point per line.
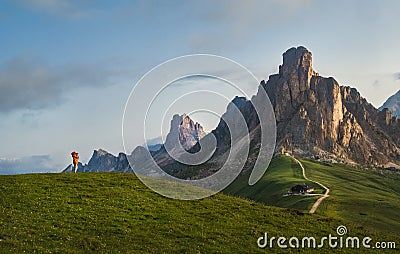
67 67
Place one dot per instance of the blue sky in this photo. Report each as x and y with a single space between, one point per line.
67 67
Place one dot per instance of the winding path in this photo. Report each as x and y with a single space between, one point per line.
324 196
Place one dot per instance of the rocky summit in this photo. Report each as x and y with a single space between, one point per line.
184 130
318 118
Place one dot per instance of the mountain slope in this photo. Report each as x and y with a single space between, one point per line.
393 104
365 196
283 173
115 212
369 197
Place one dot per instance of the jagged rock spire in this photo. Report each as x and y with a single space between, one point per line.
316 117
299 57
184 129
297 62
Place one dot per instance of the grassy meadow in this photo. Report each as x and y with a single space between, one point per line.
116 213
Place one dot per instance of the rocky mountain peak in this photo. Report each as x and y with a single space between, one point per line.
184 129
103 161
317 117
297 57
188 123
99 152
297 61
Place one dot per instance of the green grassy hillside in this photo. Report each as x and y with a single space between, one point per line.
369 197
282 174
116 213
364 196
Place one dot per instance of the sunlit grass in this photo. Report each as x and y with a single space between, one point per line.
116 213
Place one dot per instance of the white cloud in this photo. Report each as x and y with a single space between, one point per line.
29 164
28 83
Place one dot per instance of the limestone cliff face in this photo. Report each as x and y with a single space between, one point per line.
184 129
318 118
189 132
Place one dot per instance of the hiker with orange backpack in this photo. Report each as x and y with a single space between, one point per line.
75 160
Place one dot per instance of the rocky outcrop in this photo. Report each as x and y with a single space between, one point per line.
318 118
103 161
184 130
122 164
189 132
392 104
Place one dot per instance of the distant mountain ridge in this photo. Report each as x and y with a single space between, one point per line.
103 161
182 129
153 144
393 104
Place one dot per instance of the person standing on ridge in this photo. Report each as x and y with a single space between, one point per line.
75 160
